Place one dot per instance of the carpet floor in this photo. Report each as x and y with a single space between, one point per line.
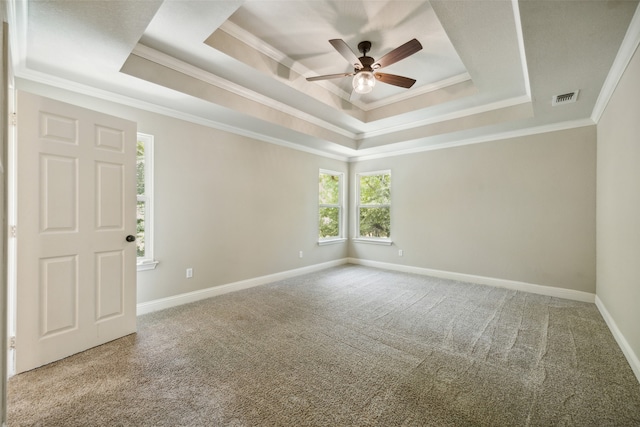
347 346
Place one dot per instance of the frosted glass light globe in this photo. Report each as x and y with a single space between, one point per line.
364 81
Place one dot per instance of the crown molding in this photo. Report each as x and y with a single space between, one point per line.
418 91
78 88
266 49
17 14
74 87
505 103
495 136
627 49
261 46
168 61
523 55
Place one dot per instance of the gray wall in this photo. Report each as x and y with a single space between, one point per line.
618 209
234 208
519 209
230 207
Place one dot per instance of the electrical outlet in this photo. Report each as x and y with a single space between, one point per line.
189 273
400 252
300 254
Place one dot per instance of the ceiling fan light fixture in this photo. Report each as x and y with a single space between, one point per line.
363 82
364 78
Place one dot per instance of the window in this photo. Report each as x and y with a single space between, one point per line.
330 203
144 210
374 206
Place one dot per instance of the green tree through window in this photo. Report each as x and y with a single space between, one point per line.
144 207
142 202
330 205
374 205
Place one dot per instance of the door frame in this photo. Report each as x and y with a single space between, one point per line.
6 96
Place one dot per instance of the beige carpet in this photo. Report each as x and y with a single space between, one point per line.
348 346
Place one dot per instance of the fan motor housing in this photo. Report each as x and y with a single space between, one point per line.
366 62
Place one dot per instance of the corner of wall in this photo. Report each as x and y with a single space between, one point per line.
628 352
617 130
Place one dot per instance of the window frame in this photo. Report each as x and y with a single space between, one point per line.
341 211
358 206
147 262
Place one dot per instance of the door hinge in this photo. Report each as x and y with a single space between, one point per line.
13 119
12 343
13 231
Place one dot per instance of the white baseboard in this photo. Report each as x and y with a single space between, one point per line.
470 278
173 301
628 352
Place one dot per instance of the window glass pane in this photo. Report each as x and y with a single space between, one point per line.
140 214
375 222
140 168
329 222
375 189
329 189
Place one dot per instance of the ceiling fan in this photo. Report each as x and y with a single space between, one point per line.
365 72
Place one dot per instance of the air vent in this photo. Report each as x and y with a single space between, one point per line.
565 98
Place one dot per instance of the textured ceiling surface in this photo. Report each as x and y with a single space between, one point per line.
486 66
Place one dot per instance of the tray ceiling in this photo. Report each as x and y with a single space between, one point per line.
486 66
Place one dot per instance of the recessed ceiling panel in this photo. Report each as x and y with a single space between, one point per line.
301 32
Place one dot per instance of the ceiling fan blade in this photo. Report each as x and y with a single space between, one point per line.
344 50
328 76
401 52
392 79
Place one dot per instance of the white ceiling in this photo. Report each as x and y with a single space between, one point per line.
386 25
486 67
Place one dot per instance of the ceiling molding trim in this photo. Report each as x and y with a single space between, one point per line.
258 44
432 87
17 17
197 73
627 49
523 56
511 102
266 49
78 88
554 127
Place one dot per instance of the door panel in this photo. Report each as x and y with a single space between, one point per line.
110 284
59 294
76 204
58 194
58 128
110 139
109 196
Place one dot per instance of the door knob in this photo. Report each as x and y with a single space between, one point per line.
131 238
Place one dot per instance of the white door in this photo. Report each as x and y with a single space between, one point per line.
76 273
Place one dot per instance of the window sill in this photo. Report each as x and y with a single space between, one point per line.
385 242
147 265
331 241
